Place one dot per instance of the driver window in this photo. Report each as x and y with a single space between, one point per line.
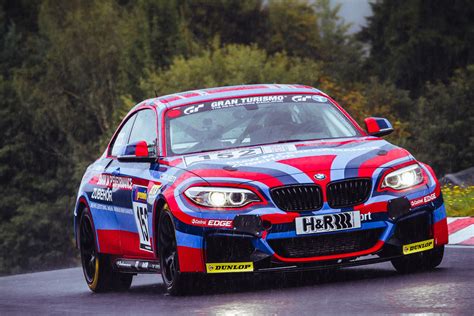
144 128
122 137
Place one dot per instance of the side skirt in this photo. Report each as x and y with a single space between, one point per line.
136 266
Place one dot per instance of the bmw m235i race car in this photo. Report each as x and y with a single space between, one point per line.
252 179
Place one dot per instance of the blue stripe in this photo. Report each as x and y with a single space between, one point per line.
271 172
439 214
187 240
388 232
352 167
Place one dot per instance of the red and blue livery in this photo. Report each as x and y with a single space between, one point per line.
253 178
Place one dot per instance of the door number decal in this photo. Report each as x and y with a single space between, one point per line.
140 213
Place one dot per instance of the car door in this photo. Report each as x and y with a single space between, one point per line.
133 212
101 193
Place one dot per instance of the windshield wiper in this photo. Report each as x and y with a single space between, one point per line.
289 141
280 142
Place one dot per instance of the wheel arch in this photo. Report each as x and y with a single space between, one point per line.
157 209
80 206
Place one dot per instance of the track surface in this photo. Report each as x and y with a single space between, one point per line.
375 289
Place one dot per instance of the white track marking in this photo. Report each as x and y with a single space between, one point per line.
451 219
462 235
460 246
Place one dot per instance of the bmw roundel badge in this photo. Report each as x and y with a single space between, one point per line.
319 176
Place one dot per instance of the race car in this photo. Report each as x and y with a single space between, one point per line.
252 179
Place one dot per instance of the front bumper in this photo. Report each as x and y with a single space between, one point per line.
273 246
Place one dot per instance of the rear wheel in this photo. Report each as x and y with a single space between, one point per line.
176 282
97 268
425 260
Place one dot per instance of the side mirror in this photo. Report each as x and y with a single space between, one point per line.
137 151
378 126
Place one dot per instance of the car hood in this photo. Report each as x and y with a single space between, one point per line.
297 162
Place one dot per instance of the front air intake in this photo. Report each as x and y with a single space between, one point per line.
349 192
306 197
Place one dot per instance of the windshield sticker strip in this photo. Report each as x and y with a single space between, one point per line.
230 103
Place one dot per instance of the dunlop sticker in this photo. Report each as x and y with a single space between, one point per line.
418 246
229 267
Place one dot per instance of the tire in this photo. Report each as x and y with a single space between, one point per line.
433 258
421 261
176 282
97 267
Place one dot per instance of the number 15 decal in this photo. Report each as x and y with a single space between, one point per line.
140 213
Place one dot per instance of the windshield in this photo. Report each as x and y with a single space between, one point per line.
254 121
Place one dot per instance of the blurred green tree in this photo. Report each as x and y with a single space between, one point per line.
32 208
292 27
232 21
231 65
443 124
65 90
415 41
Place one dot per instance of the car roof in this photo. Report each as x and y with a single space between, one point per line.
203 95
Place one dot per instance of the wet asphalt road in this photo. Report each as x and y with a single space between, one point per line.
374 289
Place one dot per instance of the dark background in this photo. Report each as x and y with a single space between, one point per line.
70 70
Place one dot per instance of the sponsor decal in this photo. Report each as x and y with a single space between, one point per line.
155 266
301 98
167 178
319 98
418 246
199 221
278 148
111 208
189 160
123 264
137 264
140 212
305 98
102 194
230 103
155 190
193 109
115 182
223 104
219 223
366 217
140 194
327 223
423 200
212 223
229 267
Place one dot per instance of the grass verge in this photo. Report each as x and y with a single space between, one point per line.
459 201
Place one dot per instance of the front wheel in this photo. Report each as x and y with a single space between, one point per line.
176 282
97 267
426 260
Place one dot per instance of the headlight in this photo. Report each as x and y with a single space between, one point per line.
221 196
403 178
